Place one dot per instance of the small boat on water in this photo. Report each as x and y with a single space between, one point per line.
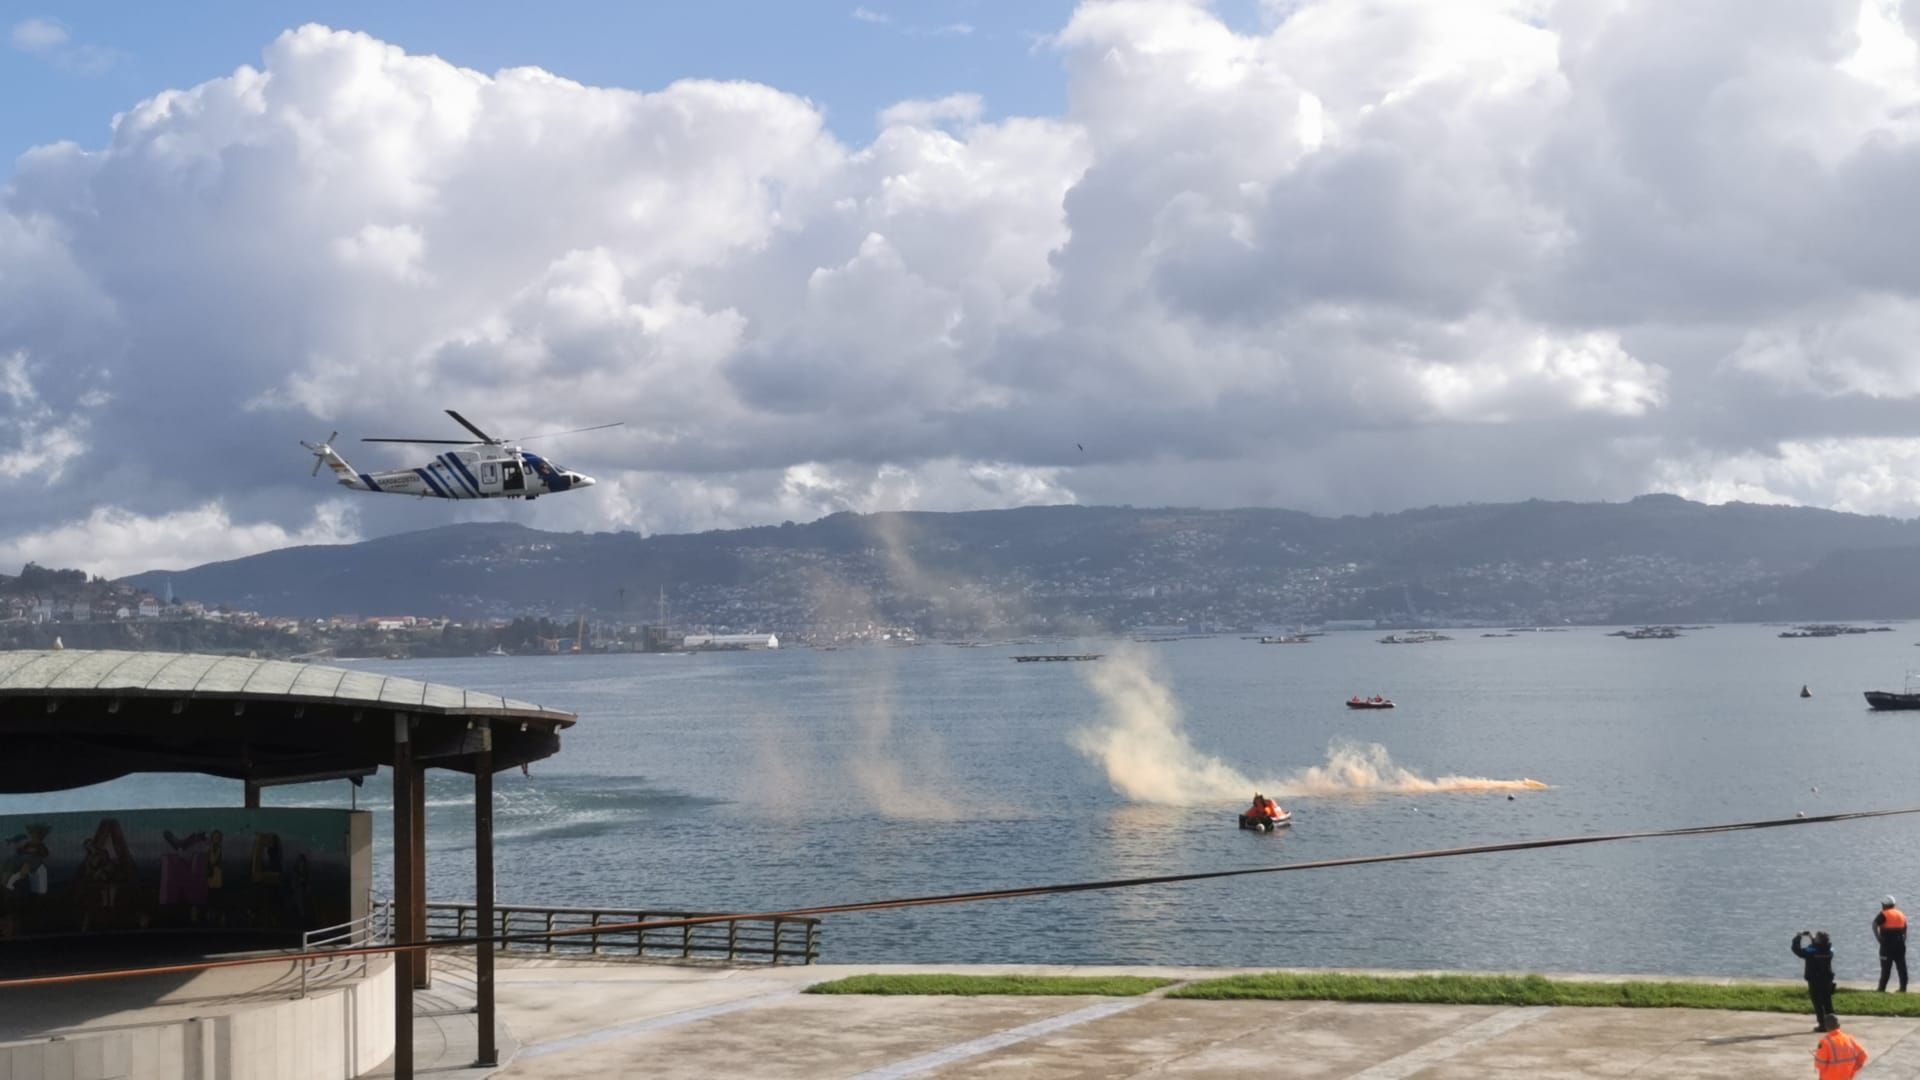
1885 700
1264 815
1286 639
1266 823
1906 700
1374 702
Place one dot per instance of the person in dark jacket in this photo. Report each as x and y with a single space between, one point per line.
1890 930
1819 973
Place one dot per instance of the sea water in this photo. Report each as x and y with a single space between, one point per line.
753 781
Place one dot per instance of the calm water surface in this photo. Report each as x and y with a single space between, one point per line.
754 781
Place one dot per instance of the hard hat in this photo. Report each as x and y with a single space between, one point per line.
1886 901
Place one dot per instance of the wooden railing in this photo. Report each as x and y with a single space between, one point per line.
735 941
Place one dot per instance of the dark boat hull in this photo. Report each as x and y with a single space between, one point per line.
1883 700
1266 824
1369 704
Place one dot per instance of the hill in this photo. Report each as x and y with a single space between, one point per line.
1655 558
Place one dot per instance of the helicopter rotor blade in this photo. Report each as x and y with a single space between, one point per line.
573 431
462 421
320 453
427 442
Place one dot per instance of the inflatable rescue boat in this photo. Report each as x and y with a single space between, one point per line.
1265 822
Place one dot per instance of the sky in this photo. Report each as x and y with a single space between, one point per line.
1344 256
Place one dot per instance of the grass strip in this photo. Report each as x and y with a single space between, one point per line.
978 985
1539 990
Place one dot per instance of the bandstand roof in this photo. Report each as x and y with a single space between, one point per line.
72 717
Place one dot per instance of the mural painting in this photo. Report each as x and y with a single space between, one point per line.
271 870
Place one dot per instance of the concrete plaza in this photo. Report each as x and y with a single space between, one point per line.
573 1019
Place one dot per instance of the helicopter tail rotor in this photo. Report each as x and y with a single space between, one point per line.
321 452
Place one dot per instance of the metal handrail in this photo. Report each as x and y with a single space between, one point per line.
373 928
766 939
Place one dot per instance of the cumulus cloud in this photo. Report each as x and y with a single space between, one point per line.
964 108
881 18
117 542
1861 475
1524 249
51 40
37 35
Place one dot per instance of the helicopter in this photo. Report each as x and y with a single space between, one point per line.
484 468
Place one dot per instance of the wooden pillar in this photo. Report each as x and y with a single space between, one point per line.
485 926
423 961
252 796
404 781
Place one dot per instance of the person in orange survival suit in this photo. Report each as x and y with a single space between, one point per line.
1839 1055
1890 930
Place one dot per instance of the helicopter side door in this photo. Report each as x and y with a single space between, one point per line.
512 480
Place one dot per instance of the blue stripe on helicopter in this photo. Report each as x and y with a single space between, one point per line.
472 483
455 489
438 471
368 480
431 485
450 475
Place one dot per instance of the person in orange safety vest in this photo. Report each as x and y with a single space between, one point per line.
1839 1056
1890 930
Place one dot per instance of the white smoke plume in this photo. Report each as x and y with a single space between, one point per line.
1142 743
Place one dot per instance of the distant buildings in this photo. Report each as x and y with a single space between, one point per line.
730 641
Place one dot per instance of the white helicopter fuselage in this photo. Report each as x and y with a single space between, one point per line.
478 472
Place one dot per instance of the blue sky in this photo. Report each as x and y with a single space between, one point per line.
852 64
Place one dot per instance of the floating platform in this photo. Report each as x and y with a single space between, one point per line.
1057 658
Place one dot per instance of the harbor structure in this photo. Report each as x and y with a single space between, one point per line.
730 641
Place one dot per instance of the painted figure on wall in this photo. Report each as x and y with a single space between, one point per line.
27 873
106 867
183 869
266 879
96 886
166 870
300 894
216 878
